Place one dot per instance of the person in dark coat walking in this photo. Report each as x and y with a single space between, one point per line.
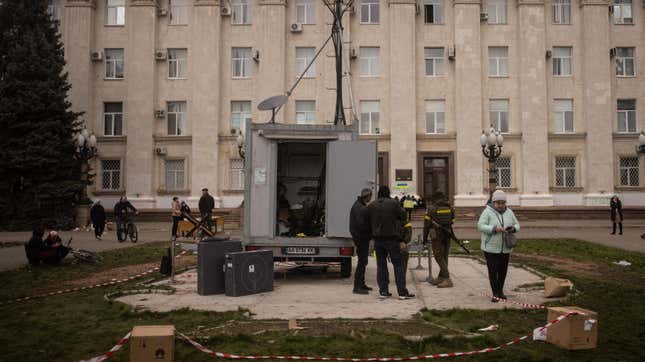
386 221
206 206
97 215
616 214
359 227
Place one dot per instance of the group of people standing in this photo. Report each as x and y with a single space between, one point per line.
122 210
387 223
179 208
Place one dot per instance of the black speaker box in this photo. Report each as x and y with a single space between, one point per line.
211 255
249 272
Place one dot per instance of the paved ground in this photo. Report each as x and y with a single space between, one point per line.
596 231
295 296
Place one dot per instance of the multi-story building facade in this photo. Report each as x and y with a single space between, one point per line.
165 85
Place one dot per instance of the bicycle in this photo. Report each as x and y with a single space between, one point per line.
127 229
84 256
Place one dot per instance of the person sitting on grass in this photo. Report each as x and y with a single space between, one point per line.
53 251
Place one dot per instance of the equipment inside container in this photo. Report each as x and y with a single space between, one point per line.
301 189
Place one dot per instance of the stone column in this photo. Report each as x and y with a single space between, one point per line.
138 115
597 103
205 75
403 153
468 103
533 104
77 32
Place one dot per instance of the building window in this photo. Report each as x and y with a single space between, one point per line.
236 174
433 11
176 118
561 10
174 174
626 115
240 113
563 115
305 11
180 12
111 175
435 117
241 12
625 62
498 61
177 63
562 61
369 61
113 119
434 59
54 9
241 60
496 11
303 57
369 11
498 113
629 168
115 12
565 172
504 172
623 12
114 63
305 112
369 117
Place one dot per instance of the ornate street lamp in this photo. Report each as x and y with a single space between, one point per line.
641 143
491 142
85 151
240 143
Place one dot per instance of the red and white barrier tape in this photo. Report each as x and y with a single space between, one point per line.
78 289
379 359
109 354
523 305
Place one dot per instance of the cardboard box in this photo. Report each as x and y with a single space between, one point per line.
152 344
574 332
556 287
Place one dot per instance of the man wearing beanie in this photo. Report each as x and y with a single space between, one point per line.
359 227
386 220
495 222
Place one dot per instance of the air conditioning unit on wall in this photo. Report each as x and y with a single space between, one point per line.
163 12
226 11
296 28
96 55
160 54
160 113
483 17
161 151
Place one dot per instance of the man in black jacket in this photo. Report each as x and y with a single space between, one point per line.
386 220
359 227
206 206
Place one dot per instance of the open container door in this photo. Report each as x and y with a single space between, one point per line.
351 167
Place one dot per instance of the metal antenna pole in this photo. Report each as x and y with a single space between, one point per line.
338 47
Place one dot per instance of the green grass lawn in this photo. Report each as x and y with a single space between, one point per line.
81 325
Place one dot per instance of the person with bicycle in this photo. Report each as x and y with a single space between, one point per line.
122 216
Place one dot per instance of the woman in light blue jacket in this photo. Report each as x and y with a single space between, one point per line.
495 221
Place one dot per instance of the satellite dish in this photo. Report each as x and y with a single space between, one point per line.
272 103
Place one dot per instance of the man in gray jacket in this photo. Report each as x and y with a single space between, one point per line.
386 220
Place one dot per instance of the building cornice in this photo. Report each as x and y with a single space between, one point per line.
466 2
440 136
177 139
594 2
206 3
401 2
273 2
112 139
568 136
530 2
80 4
625 136
143 3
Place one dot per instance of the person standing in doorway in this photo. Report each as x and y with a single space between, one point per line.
359 227
386 220
97 215
176 216
616 214
495 221
206 206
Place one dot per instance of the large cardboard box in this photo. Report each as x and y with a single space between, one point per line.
152 344
556 287
574 332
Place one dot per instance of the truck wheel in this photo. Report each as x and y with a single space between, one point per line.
346 268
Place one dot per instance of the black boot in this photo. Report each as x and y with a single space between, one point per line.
614 230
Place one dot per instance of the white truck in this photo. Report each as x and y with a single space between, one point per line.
300 184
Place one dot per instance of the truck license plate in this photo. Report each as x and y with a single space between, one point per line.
300 250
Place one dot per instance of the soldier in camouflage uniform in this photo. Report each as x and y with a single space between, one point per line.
406 237
443 214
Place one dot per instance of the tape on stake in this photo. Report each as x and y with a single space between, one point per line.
65 291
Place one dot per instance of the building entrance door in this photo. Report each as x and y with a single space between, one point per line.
436 178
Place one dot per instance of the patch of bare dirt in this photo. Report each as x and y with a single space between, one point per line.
581 268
